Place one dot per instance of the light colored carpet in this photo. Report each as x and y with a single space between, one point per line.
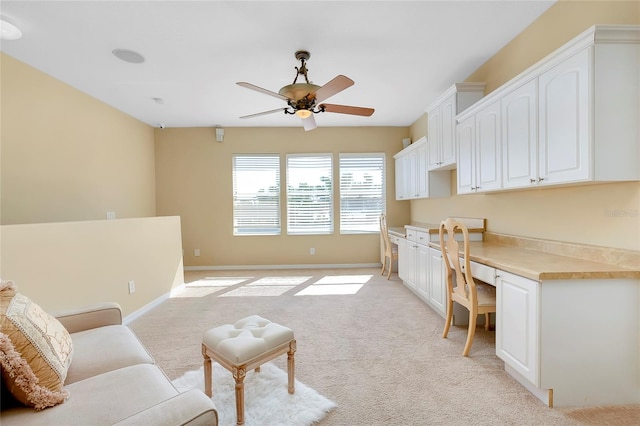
267 399
373 348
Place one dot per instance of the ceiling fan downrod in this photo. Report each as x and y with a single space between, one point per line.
303 56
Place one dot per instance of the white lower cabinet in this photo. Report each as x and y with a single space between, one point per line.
405 264
422 270
437 284
413 262
517 334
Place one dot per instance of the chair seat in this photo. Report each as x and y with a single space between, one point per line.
486 294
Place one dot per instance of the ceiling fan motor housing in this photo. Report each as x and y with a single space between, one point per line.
299 91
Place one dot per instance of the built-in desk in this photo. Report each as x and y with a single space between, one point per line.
567 327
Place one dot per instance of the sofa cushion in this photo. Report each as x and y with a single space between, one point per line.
101 400
104 349
35 350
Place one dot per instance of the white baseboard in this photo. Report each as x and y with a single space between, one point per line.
146 308
307 266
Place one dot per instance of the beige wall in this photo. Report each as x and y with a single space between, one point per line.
603 215
67 156
70 264
193 174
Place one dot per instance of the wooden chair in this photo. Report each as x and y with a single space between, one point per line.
477 297
390 251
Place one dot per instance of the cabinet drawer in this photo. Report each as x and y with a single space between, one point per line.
422 237
481 272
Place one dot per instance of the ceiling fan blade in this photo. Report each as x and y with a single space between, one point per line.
338 84
263 113
346 109
261 90
309 123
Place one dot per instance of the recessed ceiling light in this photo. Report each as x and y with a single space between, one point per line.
8 31
128 56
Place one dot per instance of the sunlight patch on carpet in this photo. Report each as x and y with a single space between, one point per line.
267 401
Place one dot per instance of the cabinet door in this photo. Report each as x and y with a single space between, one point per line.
401 172
437 284
466 156
422 173
564 111
517 324
520 137
433 131
404 264
412 176
488 148
448 132
422 270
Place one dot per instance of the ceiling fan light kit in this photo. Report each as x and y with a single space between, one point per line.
303 99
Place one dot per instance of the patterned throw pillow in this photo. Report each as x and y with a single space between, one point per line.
35 350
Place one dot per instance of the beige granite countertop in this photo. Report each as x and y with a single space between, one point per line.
543 266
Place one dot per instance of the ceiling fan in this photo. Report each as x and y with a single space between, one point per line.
304 99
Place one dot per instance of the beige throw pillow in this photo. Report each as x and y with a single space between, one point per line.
35 350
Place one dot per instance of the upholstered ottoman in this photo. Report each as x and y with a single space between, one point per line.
244 346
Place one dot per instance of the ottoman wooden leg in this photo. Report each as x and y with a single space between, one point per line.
291 364
238 375
208 388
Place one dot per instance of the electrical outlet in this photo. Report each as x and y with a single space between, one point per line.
132 287
312 250
196 252
111 215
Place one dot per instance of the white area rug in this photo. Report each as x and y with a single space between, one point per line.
266 399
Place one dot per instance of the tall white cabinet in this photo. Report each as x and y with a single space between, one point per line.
441 123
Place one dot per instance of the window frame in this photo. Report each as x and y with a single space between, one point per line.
374 225
289 193
276 228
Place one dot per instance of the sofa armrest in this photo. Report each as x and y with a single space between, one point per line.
89 317
191 408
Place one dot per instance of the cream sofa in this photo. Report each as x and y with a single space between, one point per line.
112 380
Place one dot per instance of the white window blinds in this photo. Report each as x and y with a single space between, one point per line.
256 194
309 194
362 194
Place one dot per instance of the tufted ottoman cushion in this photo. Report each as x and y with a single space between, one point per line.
246 339
246 345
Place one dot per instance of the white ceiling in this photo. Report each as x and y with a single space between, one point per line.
401 54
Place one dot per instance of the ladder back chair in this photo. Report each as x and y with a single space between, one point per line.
390 251
478 297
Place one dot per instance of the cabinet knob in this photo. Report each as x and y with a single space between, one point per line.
540 179
532 180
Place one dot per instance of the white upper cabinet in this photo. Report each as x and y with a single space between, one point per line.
479 151
571 118
563 121
441 123
520 136
413 179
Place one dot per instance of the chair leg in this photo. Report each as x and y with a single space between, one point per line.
487 321
390 268
472 331
384 265
447 322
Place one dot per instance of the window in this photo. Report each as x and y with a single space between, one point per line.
309 194
362 196
256 194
